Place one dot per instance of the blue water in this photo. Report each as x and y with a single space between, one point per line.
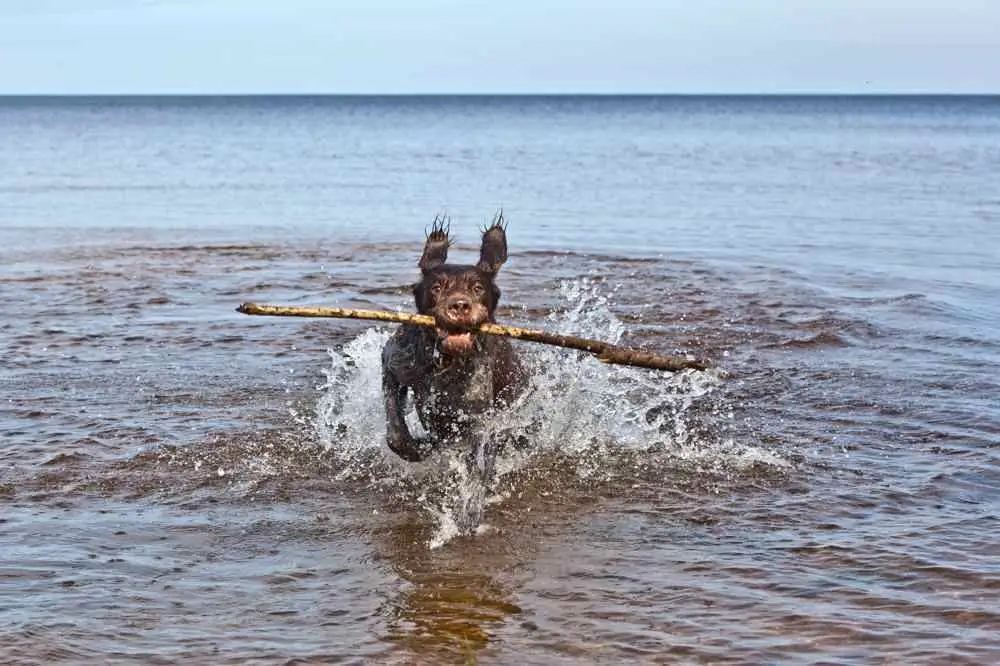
836 498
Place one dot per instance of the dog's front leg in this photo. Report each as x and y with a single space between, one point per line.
397 434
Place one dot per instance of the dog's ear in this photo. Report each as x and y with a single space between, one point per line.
436 247
420 298
493 253
494 298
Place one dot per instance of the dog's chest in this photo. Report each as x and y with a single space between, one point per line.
467 387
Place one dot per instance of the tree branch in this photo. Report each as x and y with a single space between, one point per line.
605 352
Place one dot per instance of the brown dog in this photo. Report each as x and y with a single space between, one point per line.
456 376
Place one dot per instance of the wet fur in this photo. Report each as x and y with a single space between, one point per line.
454 381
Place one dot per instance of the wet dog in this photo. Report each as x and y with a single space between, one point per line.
456 377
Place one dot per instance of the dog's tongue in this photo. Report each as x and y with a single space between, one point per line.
456 344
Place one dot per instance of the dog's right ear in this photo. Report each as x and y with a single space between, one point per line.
436 247
493 253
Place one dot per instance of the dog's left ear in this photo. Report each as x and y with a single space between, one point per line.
493 253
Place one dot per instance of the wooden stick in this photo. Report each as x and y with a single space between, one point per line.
606 353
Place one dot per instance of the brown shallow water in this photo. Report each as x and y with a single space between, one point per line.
182 484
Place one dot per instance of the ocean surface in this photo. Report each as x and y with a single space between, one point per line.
182 484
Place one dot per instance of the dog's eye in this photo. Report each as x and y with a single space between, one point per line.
478 289
436 288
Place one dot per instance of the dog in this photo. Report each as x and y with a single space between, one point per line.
456 376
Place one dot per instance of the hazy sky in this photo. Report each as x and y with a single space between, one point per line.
206 46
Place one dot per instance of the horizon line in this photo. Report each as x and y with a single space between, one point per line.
916 93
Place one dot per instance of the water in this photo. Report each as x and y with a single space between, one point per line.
183 484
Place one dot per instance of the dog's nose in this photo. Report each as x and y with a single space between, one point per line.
459 307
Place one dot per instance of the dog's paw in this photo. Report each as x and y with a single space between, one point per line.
412 450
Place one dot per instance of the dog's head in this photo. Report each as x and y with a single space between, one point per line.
460 297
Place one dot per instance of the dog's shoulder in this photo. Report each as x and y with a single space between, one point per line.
510 375
408 352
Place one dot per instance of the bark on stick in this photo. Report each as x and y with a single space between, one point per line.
605 352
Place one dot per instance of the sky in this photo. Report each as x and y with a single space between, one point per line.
499 46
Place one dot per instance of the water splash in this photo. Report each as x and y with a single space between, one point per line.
576 409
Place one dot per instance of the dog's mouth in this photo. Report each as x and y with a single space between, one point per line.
456 342
455 331
455 335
